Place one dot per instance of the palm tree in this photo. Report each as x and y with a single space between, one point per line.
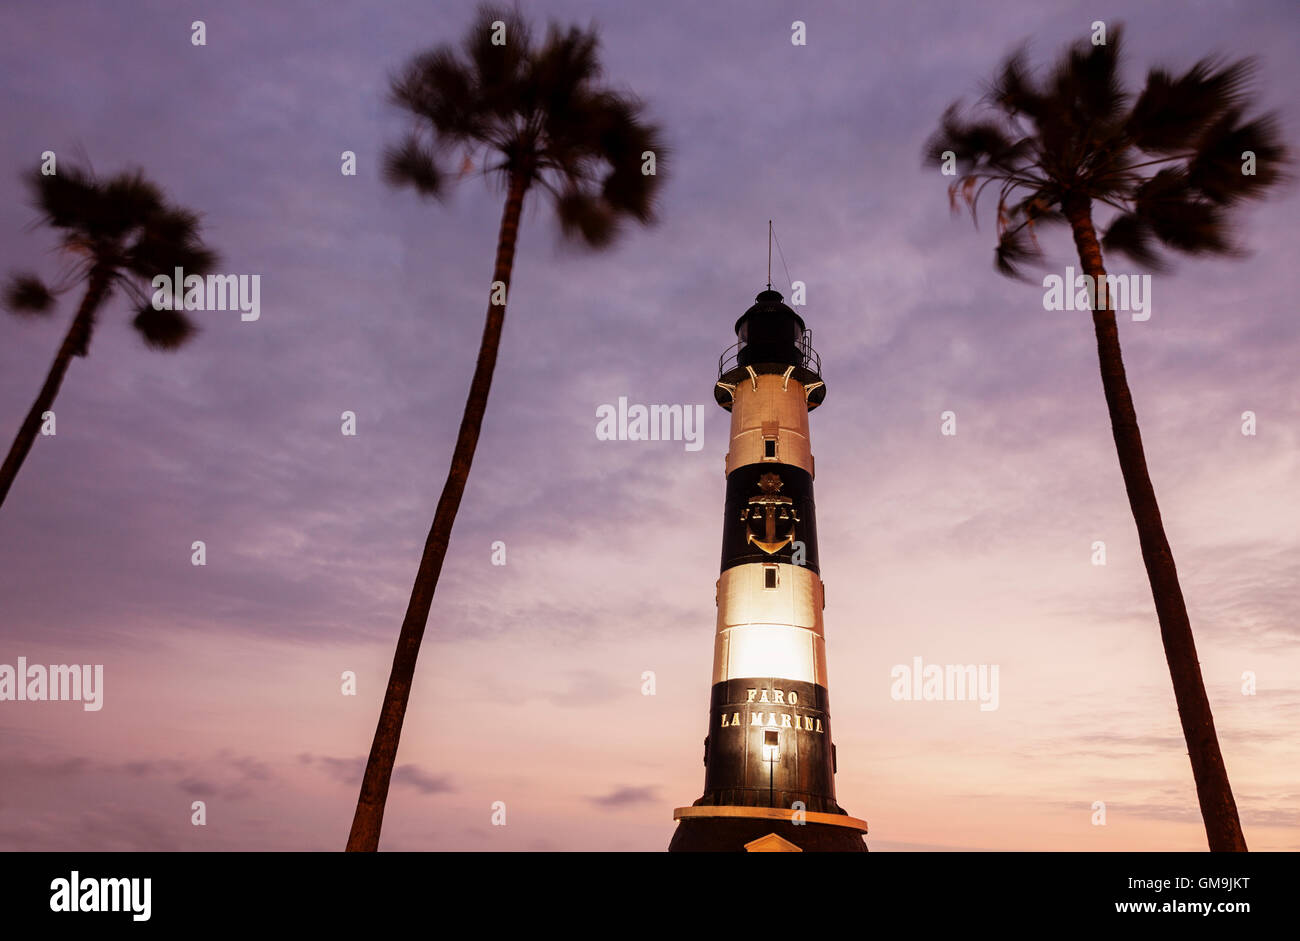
529 115
117 233
1169 163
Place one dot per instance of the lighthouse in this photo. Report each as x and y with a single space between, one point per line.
769 780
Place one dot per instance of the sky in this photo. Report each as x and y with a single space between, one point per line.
223 682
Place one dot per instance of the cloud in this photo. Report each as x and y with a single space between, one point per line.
626 797
349 771
413 777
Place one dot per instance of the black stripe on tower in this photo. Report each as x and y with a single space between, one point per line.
769 512
742 714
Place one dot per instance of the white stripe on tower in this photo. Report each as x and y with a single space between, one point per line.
769 406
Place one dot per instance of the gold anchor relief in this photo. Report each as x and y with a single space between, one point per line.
773 509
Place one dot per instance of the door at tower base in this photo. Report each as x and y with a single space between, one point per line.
771 843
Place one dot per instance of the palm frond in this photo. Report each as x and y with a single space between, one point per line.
439 87
65 199
1179 216
1172 113
972 143
1093 79
163 329
1131 236
410 163
1013 90
126 201
1218 168
1015 250
170 239
26 294
567 62
586 219
499 70
607 136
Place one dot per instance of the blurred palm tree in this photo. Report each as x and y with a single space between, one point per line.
530 115
117 233
1171 163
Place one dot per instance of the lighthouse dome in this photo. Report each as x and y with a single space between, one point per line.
770 332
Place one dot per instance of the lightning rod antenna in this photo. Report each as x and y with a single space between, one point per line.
769 254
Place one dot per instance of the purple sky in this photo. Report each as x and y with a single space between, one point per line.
222 683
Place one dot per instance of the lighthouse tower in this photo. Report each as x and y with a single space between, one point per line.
769 760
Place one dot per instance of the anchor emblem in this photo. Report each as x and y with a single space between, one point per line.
773 509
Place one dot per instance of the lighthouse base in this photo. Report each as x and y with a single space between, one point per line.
738 829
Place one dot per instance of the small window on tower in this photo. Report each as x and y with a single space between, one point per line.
769 576
769 449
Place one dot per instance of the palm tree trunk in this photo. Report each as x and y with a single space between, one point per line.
75 343
369 818
1218 809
